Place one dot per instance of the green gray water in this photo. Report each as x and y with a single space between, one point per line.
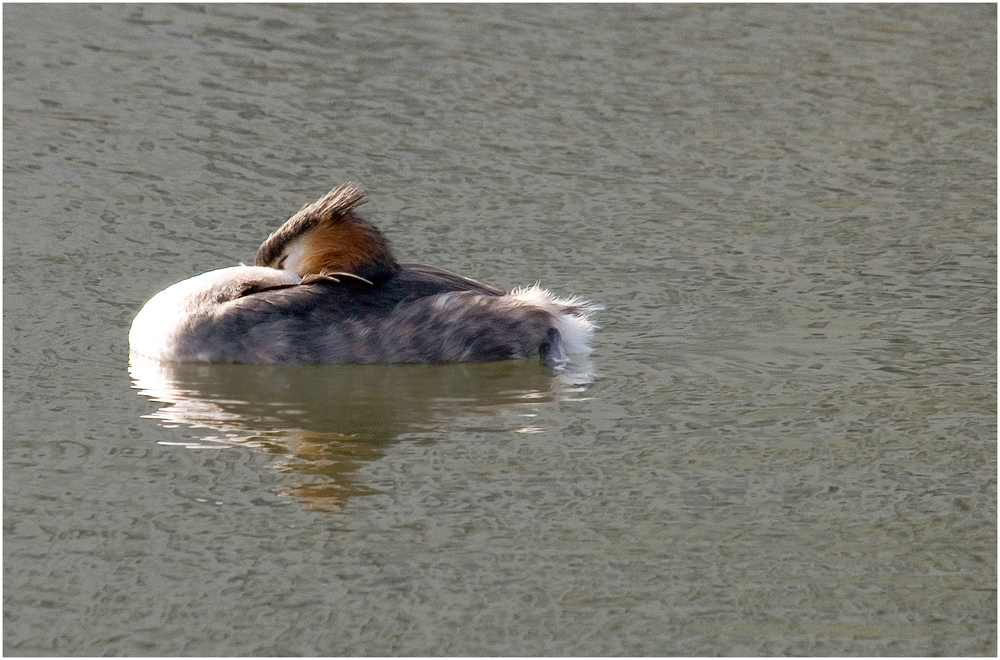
789 213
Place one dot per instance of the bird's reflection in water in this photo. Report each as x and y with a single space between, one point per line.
327 421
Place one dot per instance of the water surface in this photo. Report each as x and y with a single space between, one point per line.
789 213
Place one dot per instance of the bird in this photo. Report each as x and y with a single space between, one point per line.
326 287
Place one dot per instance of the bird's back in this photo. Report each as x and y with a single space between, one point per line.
423 314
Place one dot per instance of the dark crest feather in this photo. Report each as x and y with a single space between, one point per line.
330 207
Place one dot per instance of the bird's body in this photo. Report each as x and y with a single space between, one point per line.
326 288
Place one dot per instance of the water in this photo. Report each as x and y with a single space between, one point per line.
789 213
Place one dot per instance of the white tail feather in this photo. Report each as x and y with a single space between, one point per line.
572 315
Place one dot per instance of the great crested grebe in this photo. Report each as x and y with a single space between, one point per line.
325 287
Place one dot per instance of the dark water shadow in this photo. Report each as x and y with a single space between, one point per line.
327 421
